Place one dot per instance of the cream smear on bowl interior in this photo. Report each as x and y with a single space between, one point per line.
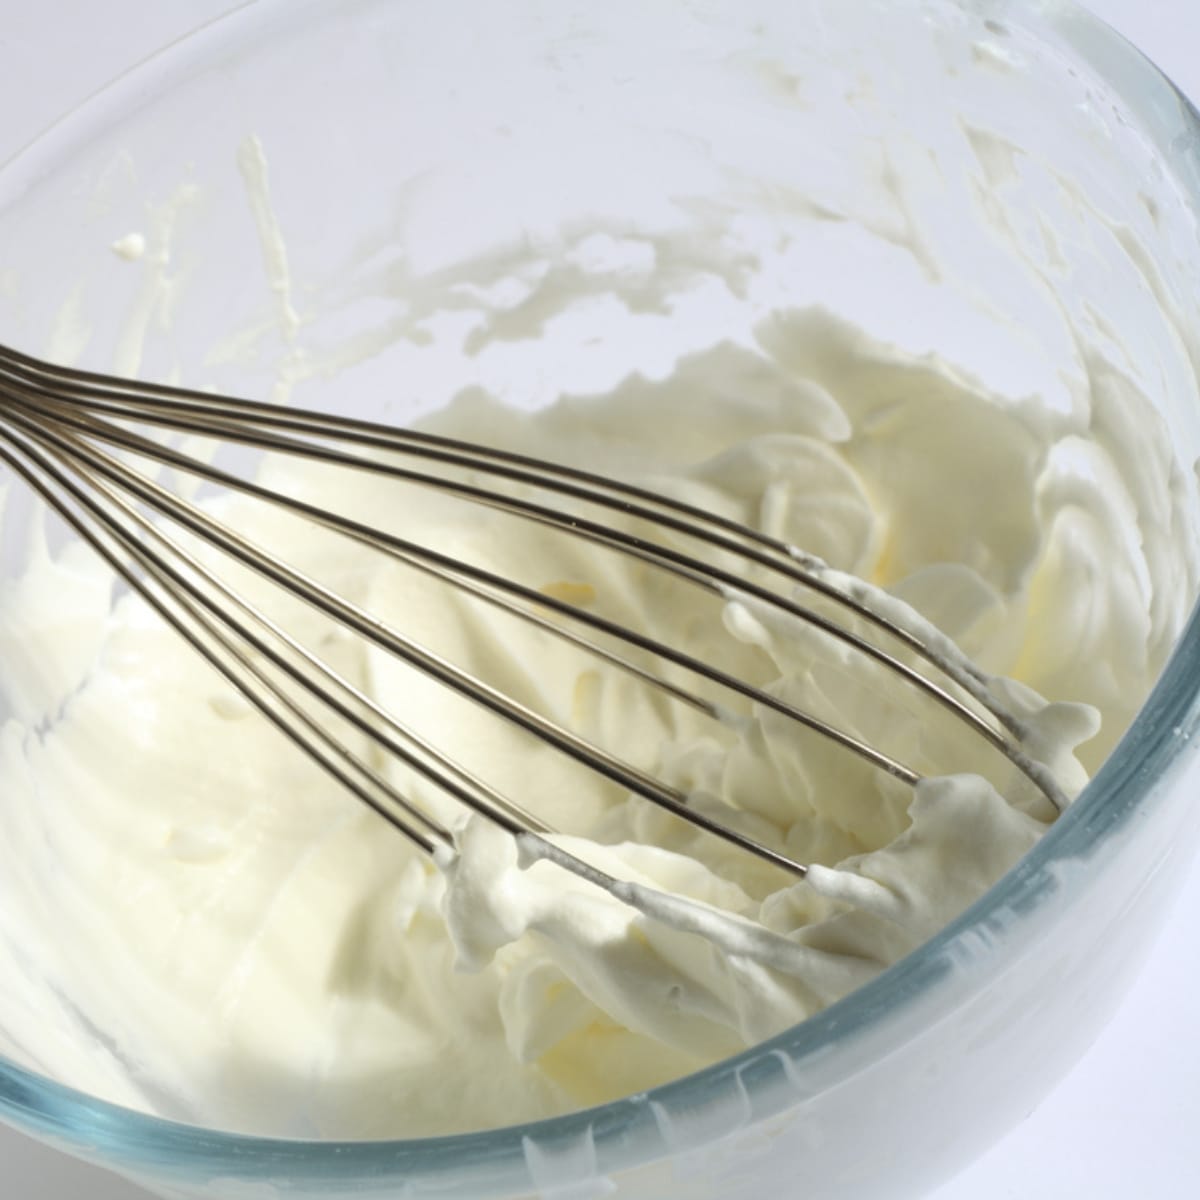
267 957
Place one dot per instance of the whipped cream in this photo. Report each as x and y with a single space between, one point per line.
232 940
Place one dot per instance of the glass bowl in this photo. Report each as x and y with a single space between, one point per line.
407 137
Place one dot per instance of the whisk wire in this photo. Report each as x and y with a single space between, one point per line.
55 423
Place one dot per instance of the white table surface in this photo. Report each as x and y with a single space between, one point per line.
1126 1123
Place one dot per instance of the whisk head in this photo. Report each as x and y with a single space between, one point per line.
100 452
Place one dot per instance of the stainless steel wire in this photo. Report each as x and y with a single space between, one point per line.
70 435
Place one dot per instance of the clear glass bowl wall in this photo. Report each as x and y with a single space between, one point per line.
405 138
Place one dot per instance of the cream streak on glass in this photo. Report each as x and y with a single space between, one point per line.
270 958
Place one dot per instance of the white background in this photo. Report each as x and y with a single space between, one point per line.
1127 1121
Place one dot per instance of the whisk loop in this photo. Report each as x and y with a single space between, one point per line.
69 434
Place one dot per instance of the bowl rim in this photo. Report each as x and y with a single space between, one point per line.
81 1124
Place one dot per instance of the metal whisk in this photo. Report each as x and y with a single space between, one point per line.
63 431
